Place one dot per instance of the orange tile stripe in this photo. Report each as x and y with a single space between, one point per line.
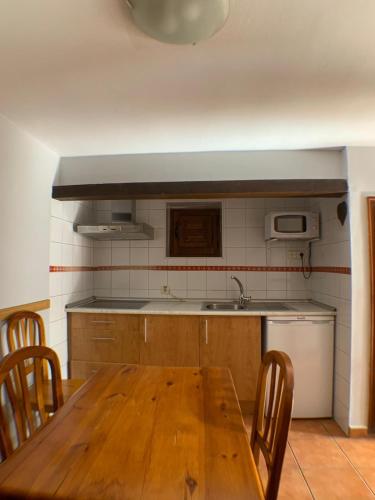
268 269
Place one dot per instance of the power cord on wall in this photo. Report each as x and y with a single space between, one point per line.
307 272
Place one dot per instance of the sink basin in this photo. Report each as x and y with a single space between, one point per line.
223 306
251 306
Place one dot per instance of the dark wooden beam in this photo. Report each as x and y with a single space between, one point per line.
203 189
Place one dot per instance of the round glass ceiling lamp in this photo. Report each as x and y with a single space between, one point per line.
179 21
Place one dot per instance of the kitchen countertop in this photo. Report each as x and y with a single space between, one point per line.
194 307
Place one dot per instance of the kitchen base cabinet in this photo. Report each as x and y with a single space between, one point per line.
170 340
97 340
234 342
108 338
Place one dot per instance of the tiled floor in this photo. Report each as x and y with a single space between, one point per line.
322 463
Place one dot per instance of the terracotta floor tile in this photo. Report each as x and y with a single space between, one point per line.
333 428
292 485
307 428
361 451
341 483
319 452
289 459
368 474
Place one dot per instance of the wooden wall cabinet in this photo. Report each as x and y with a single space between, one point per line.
97 340
194 232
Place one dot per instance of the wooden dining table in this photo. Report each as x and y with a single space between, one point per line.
140 432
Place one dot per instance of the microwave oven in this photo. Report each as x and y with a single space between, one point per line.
292 225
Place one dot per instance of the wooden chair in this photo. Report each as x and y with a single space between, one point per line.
272 416
26 328
19 420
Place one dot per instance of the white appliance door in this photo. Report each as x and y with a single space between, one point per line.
310 345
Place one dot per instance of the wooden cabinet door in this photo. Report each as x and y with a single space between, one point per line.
233 342
170 340
195 232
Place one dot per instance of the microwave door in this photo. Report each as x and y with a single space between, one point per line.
290 224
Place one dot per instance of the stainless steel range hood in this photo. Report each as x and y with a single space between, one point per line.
121 226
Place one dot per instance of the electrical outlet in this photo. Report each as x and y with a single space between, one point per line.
294 255
165 290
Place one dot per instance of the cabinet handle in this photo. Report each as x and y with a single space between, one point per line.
145 328
110 339
206 330
102 322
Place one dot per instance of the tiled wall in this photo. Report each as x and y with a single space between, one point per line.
243 245
67 248
335 289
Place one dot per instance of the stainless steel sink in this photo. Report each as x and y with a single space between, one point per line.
251 306
223 306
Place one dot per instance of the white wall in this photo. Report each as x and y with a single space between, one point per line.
314 164
333 250
27 170
361 177
68 248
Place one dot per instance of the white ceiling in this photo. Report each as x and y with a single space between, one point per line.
281 74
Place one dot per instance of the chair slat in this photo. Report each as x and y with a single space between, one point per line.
26 398
38 387
5 440
15 402
270 401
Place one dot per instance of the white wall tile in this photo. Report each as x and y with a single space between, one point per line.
216 280
138 280
157 218
121 280
255 217
197 280
236 256
157 279
120 256
139 256
102 279
235 237
256 281
102 256
177 280
276 281
56 229
235 217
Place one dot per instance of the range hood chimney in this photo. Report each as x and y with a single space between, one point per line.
121 225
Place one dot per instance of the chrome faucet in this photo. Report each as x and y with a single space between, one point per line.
243 299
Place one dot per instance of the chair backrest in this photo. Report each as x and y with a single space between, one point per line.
19 418
272 415
25 328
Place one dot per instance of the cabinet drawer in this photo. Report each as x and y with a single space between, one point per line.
97 321
85 369
94 345
109 338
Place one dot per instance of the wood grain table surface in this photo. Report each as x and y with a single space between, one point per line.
140 432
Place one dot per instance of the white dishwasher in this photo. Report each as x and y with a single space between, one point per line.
309 342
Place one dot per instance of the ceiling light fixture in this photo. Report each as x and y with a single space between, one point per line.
179 21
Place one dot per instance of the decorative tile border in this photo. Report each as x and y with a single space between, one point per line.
268 269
